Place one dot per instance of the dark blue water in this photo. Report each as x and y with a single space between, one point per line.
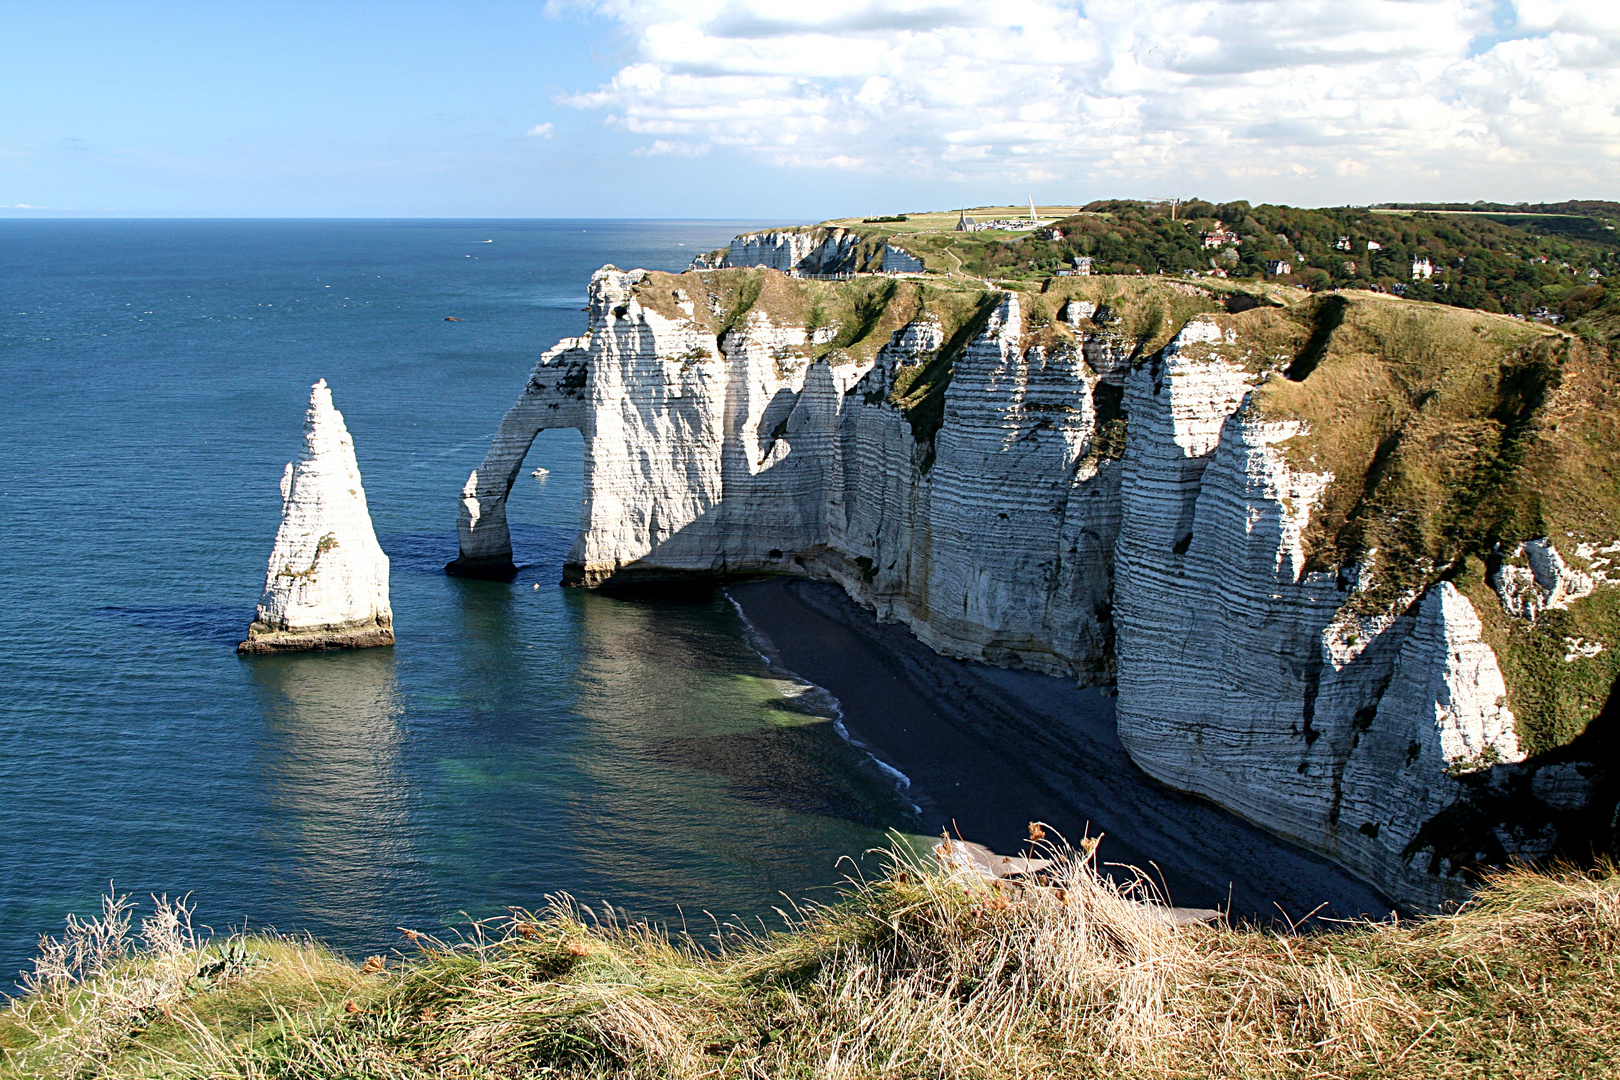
517 741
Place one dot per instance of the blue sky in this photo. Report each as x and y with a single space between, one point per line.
741 108
303 109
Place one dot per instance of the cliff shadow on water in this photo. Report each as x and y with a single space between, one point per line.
770 738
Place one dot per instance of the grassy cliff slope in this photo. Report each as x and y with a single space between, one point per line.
1453 437
919 973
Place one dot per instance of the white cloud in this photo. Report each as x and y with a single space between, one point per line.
660 147
1130 89
542 131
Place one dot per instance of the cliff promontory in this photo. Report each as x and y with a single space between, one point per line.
327 583
1346 557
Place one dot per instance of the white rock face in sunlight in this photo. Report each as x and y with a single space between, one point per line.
810 251
1070 506
740 454
326 586
1246 679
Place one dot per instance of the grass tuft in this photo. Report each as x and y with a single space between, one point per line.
923 972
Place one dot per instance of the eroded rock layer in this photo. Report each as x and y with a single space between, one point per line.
326 586
1310 540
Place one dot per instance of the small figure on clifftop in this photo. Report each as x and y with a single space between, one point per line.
327 583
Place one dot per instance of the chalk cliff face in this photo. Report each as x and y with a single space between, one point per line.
804 251
1025 482
747 453
326 586
1243 677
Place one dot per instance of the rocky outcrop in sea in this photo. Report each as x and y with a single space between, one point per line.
326 586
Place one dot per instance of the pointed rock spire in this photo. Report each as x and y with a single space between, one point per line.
327 583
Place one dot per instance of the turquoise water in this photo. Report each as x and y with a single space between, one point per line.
517 741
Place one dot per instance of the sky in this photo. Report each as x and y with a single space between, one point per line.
796 111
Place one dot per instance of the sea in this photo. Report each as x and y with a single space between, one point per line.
521 741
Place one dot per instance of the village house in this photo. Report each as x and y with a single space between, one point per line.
1422 268
1279 267
1342 244
1220 237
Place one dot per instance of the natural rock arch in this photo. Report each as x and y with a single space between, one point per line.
553 398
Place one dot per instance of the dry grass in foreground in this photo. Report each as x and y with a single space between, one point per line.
919 974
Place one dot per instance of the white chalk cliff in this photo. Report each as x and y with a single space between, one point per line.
711 456
1075 510
326 586
819 250
1242 678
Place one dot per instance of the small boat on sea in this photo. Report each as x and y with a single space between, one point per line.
540 474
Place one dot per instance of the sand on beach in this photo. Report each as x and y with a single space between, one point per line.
988 750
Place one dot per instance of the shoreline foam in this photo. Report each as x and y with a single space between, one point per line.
762 645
